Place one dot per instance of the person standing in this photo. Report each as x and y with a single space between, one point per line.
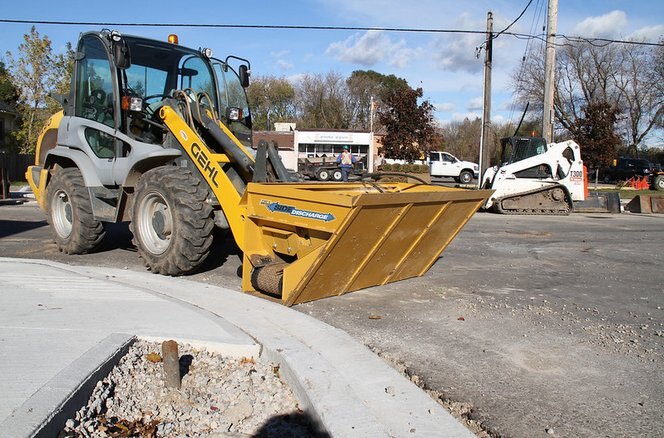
345 160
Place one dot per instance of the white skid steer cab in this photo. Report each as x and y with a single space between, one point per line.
535 177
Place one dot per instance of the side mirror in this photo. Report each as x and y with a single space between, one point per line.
244 76
121 55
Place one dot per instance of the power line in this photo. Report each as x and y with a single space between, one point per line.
537 16
241 26
515 20
309 27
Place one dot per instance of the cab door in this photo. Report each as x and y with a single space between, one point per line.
94 125
232 96
435 165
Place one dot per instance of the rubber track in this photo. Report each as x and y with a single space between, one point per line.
192 216
87 232
532 212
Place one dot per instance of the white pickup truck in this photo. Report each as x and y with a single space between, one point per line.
442 164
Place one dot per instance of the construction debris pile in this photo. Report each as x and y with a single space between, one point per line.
218 396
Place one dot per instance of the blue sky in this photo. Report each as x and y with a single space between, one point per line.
445 66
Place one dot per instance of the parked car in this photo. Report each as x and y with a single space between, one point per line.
627 168
443 164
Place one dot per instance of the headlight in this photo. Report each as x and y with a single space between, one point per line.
234 113
476 167
132 103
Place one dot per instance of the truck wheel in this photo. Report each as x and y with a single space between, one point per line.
69 212
171 221
322 174
337 175
465 177
658 182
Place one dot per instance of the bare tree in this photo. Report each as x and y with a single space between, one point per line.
321 101
462 138
588 74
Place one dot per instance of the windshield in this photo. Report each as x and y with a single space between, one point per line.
159 68
519 148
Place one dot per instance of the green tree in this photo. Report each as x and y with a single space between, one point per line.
365 86
271 97
36 72
9 94
410 127
595 132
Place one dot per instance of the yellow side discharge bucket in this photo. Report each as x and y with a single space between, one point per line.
309 241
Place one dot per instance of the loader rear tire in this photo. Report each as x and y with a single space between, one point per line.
171 222
69 212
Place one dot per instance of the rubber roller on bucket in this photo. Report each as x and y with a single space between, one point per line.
269 278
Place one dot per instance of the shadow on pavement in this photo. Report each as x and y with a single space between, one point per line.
9 227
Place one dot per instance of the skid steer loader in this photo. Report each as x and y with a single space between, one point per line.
535 177
159 135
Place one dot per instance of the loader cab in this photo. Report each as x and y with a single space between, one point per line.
121 82
519 148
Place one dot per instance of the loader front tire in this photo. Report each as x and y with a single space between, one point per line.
171 221
69 212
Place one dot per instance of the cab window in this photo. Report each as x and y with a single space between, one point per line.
195 74
94 84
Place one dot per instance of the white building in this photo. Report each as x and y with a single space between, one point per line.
317 145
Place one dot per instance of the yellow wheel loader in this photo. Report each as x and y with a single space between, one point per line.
159 135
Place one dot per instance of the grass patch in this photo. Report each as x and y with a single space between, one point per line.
625 193
17 184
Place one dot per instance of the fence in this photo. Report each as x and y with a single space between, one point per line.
16 165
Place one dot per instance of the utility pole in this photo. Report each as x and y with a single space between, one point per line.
549 71
486 117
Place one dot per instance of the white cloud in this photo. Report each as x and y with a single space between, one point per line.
603 26
296 78
469 115
457 52
368 49
402 55
284 65
372 48
445 107
475 104
280 54
650 33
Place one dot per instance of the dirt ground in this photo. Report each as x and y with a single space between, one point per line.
530 326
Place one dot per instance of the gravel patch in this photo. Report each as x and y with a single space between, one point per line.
219 397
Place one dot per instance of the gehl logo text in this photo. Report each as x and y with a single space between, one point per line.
200 156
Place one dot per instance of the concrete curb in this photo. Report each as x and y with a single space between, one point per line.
44 413
341 384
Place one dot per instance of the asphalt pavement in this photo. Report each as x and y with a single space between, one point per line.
63 327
